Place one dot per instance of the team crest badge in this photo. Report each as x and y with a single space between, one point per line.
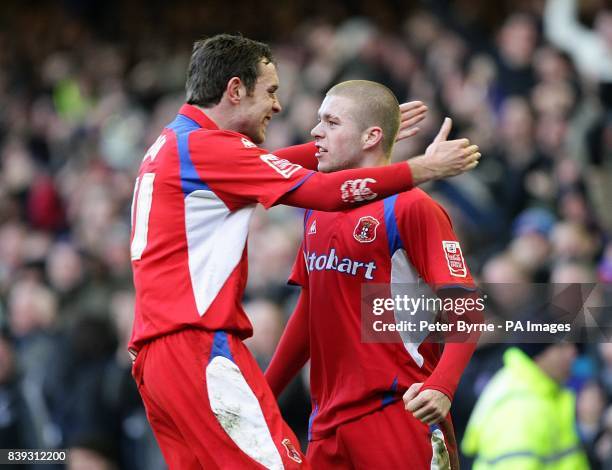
365 230
291 452
454 258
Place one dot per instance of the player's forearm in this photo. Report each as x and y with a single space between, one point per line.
303 155
422 170
459 347
293 349
344 189
447 373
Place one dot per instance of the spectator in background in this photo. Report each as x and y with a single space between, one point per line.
524 418
267 320
16 423
590 49
590 407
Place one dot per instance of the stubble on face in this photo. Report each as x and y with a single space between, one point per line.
260 103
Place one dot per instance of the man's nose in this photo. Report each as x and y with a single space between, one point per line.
276 107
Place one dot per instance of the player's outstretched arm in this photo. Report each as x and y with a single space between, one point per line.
303 155
344 189
293 349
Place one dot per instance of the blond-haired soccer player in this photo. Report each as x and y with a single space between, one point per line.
358 417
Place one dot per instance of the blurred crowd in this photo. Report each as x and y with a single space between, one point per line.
83 94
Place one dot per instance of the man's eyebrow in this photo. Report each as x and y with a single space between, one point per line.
273 88
328 116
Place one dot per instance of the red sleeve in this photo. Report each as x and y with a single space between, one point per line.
343 189
293 348
303 155
238 171
435 252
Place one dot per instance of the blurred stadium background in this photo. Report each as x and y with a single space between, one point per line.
86 86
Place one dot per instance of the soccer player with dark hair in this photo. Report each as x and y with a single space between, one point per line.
207 401
359 419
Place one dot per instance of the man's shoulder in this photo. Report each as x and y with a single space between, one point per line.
416 201
221 137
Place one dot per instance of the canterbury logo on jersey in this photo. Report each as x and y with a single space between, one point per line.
357 190
331 262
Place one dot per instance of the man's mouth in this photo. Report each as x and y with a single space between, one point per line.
320 151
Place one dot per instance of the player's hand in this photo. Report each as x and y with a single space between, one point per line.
444 158
411 114
428 406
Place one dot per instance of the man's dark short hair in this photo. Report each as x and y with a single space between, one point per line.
214 61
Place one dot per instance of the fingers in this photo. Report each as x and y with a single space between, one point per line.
471 162
410 394
412 120
412 113
426 411
406 133
470 150
431 417
470 166
411 105
445 130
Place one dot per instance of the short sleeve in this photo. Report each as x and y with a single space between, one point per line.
241 173
431 243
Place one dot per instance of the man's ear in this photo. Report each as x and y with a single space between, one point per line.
235 90
371 137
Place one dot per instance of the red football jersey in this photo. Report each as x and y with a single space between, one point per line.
194 196
407 241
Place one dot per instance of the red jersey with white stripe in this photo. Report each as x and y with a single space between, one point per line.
405 242
194 196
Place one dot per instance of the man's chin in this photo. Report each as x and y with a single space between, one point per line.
324 168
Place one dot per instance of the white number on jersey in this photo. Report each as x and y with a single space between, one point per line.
141 202
143 197
155 148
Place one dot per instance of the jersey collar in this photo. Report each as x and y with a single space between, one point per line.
198 116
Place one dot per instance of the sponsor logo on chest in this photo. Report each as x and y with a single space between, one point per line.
332 262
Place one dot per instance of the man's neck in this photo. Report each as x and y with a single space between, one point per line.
221 117
372 159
